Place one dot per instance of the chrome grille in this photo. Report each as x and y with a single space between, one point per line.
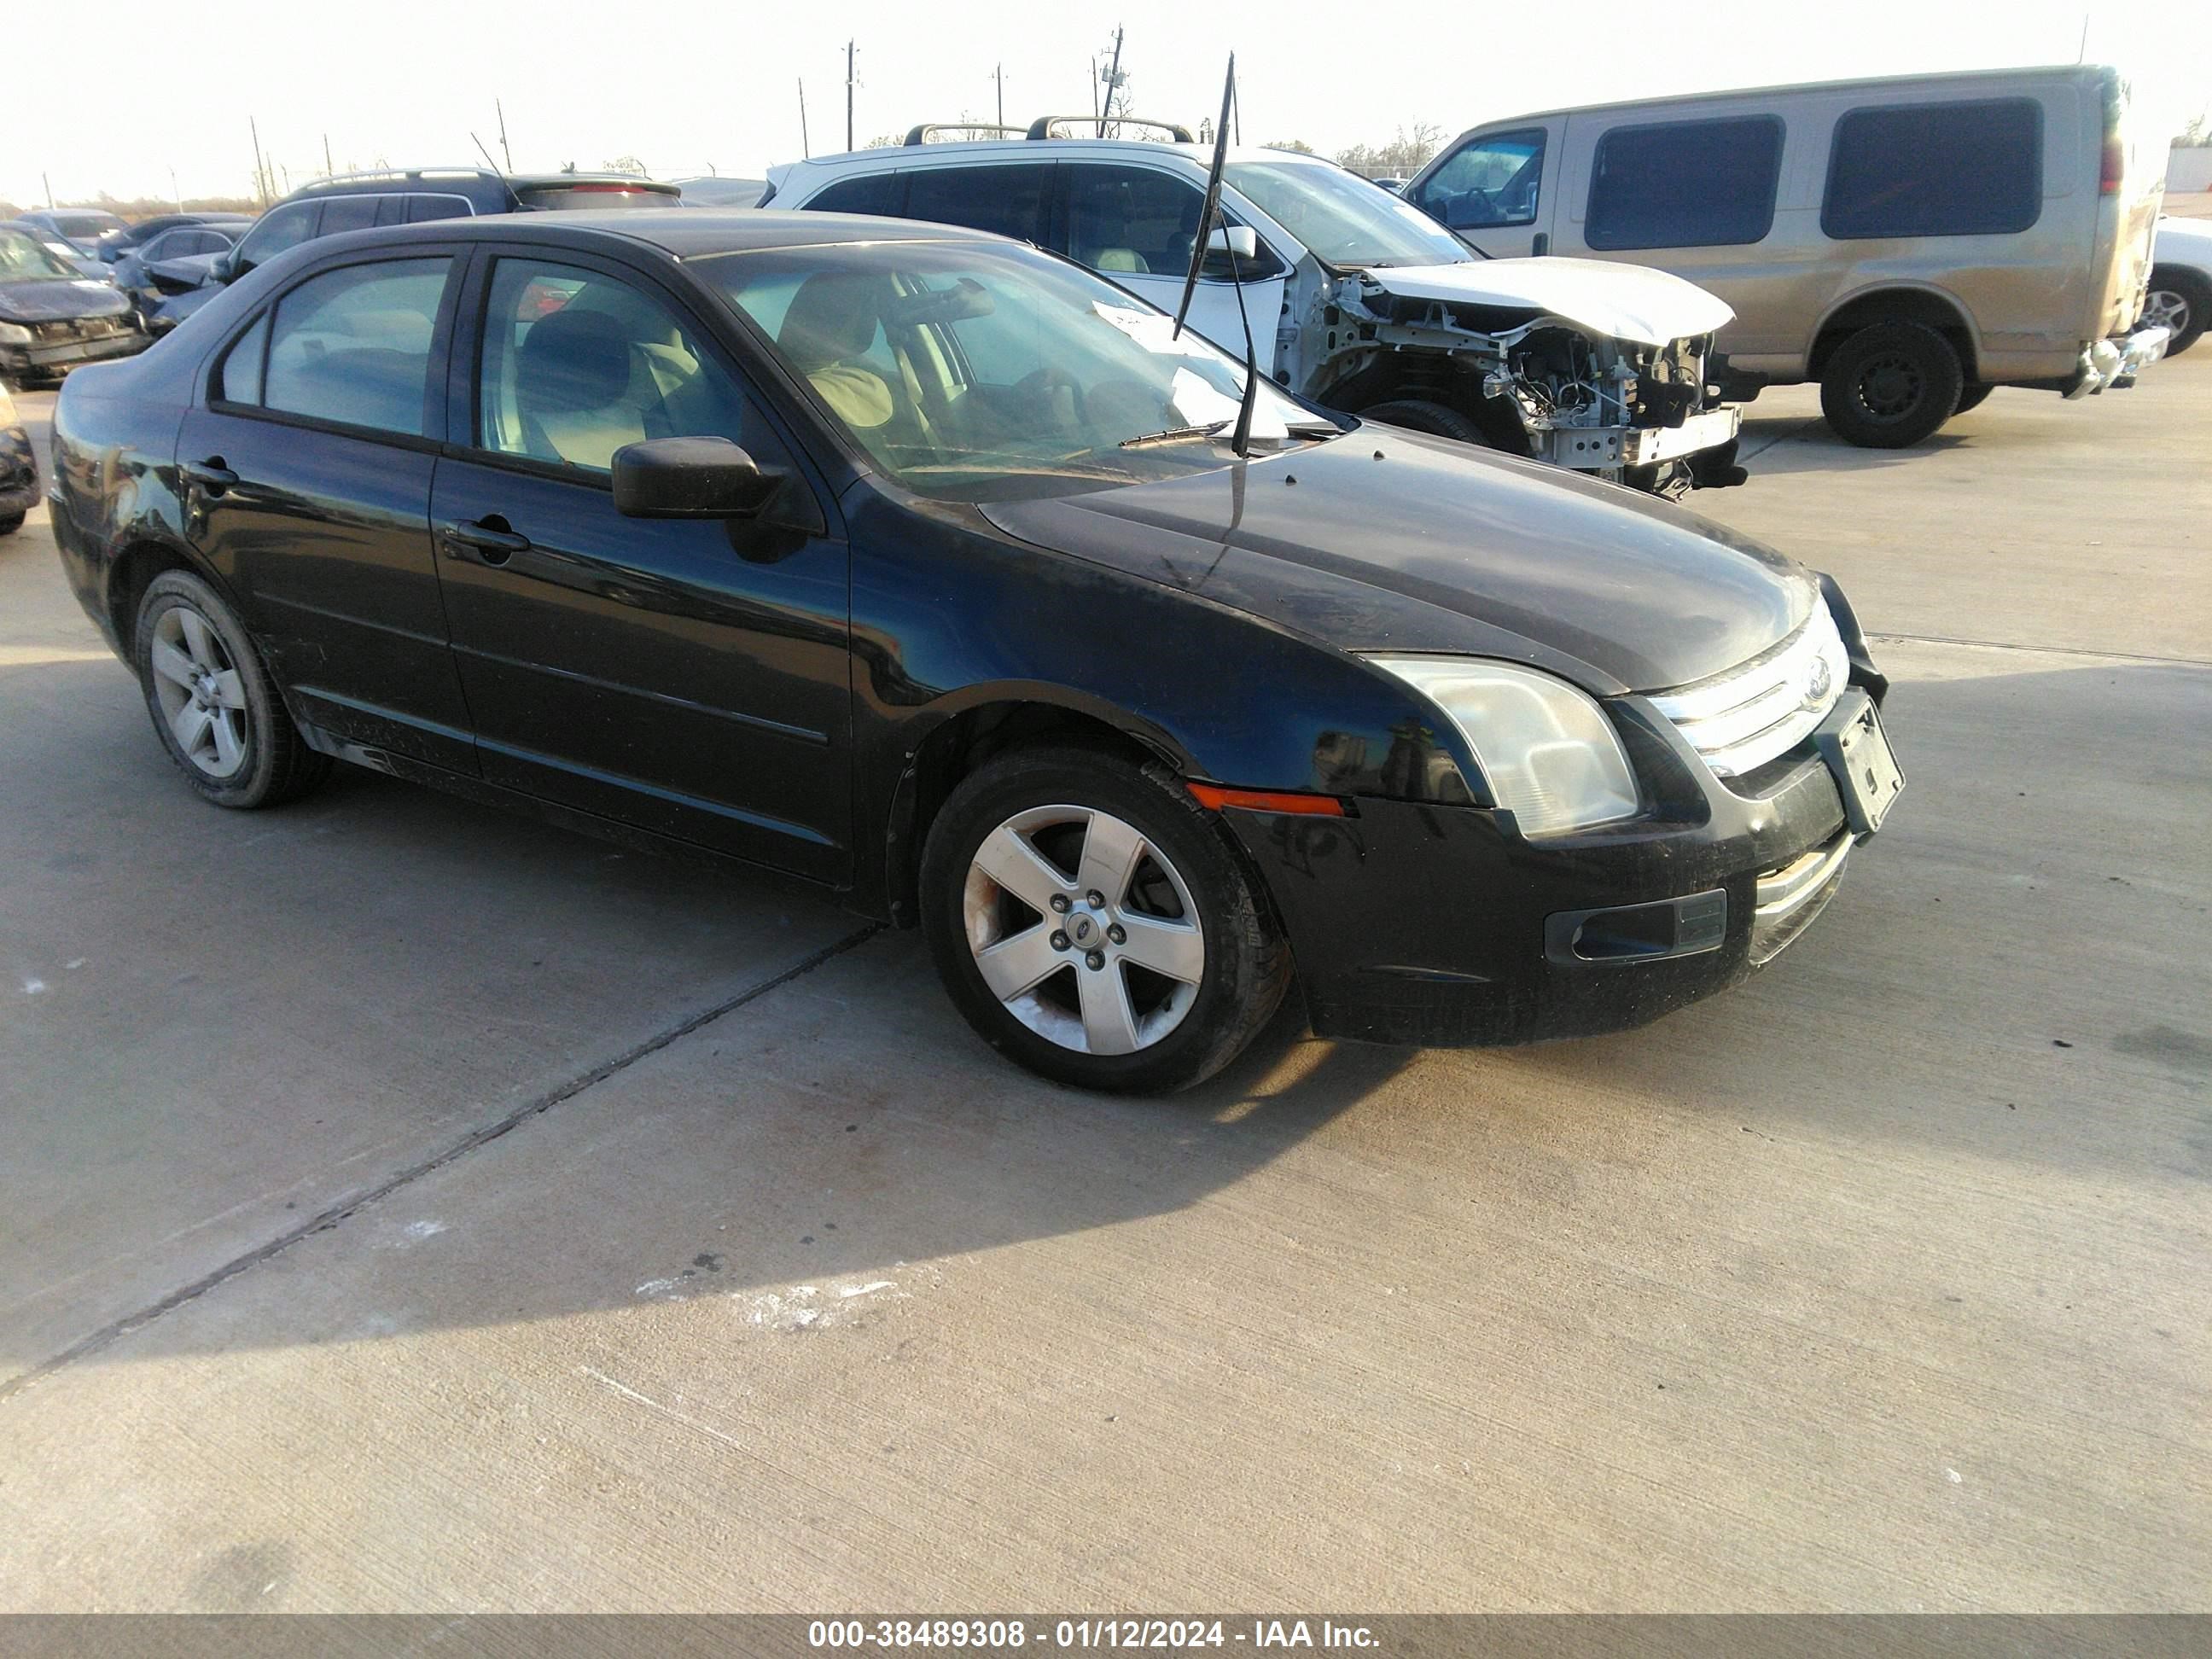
1741 718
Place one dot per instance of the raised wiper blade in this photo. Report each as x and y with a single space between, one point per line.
1173 433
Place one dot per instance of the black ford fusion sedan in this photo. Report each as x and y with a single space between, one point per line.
920 566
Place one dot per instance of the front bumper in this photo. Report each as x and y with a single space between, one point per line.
57 357
2113 364
19 472
1593 448
1440 925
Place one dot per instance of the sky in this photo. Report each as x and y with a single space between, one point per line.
687 87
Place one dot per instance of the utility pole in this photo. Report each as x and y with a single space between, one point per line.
999 75
848 94
501 109
330 168
176 194
260 167
806 150
1113 82
49 185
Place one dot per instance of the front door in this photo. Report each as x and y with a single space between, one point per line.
688 677
307 479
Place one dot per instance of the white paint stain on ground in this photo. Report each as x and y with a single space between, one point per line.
410 1233
814 1307
32 986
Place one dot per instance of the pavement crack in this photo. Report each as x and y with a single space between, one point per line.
347 1207
2040 650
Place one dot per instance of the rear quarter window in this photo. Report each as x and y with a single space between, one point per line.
1960 169
1685 184
882 194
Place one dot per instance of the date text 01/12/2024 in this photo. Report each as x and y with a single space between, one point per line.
896 1635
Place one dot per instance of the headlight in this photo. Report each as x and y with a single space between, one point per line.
1550 755
14 334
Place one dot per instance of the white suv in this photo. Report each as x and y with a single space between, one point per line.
1357 300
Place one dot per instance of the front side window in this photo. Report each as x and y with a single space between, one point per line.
576 364
1488 181
1685 184
281 230
976 371
343 213
1344 219
880 195
353 345
1007 201
1936 170
1131 221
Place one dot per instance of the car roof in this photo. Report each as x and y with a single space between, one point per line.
1043 149
685 233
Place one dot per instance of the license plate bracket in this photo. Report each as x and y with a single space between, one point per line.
1859 756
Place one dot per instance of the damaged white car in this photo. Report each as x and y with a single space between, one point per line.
1355 300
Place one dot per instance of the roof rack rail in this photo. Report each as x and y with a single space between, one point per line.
1042 126
919 135
402 172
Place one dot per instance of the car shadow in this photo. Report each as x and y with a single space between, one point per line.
816 1148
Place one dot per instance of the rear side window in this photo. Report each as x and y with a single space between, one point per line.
1936 170
421 208
1008 200
238 380
353 345
1686 183
881 193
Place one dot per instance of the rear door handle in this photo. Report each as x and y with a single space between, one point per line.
210 475
488 540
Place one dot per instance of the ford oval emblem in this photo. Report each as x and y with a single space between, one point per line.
1820 680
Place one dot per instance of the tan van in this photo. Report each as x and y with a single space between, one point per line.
1910 243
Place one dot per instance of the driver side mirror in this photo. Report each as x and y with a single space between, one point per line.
226 268
1240 239
690 478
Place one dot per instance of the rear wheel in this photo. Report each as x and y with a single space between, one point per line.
212 701
10 523
1091 923
2181 300
1891 384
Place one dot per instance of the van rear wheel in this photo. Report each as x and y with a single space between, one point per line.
1890 385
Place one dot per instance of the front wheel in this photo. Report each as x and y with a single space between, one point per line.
10 523
2181 300
1091 922
1891 384
213 704
1439 419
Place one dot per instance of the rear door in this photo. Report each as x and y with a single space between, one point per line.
1133 225
308 465
688 677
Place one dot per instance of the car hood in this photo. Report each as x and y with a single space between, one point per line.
1385 540
2184 242
51 299
1626 302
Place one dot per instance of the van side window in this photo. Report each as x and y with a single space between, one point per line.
1936 170
1685 184
1009 200
1493 180
880 193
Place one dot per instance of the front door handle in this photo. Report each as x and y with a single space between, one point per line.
1540 244
489 539
210 475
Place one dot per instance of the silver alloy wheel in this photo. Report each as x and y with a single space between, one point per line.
1057 934
2166 308
202 698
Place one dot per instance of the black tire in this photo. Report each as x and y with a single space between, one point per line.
1246 965
1973 396
1438 419
2182 299
271 762
10 523
1891 384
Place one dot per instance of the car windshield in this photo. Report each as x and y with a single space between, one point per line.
1343 218
86 226
978 371
24 259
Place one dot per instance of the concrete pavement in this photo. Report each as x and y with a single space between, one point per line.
1879 1284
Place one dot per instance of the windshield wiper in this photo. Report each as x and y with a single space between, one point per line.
1174 434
